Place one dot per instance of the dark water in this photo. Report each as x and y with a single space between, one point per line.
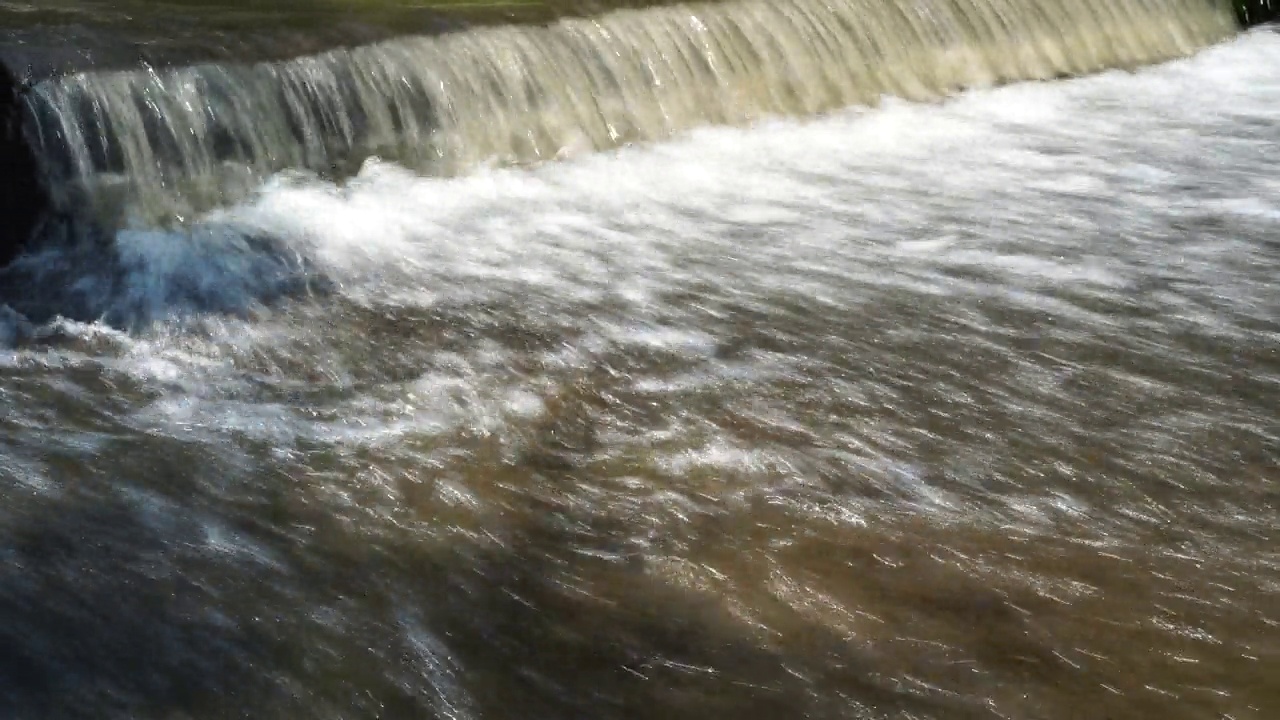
958 410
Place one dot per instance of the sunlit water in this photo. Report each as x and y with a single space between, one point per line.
933 411
167 141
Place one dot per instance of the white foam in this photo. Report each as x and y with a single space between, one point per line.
740 208
1031 196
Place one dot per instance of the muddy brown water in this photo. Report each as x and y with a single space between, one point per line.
952 409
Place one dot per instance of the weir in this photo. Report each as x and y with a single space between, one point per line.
160 143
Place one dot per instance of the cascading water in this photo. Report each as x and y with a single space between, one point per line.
159 144
957 410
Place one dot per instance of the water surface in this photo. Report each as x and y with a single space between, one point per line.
954 410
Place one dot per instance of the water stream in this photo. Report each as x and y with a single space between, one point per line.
964 408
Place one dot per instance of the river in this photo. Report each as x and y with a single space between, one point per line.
937 409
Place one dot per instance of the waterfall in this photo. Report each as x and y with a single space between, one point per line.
163 144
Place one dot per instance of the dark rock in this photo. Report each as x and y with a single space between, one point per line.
1257 12
23 198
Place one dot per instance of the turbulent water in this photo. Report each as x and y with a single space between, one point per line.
172 141
957 410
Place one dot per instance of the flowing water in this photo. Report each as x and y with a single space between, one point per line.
958 409
171 141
